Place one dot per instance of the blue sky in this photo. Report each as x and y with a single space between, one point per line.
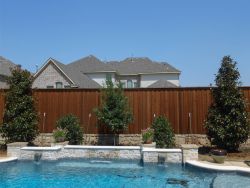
191 35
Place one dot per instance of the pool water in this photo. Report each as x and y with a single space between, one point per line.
124 174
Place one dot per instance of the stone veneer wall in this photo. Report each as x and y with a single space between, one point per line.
152 155
45 139
147 154
56 152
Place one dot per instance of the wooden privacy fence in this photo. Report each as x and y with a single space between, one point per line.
186 108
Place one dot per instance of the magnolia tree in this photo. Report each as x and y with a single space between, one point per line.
227 122
20 120
114 111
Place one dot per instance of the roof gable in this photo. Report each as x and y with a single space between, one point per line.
73 75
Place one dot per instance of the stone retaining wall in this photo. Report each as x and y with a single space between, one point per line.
45 139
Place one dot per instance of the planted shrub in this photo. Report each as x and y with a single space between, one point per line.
74 131
227 121
147 135
20 120
60 134
163 132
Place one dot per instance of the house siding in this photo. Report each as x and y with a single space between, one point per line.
100 78
148 79
125 78
3 83
49 77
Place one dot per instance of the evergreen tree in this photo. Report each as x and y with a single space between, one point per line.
227 122
20 117
114 111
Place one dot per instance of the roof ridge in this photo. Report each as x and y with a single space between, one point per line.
86 57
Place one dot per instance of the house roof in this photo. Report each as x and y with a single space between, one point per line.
162 84
91 64
5 66
79 79
142 66
73 75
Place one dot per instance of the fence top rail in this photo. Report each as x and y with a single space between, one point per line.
134 89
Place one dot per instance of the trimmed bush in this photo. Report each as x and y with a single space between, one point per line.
74 131
163 132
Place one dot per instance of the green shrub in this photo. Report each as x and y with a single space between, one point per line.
227 122
147 135
72 124
163 132
20 120
60 134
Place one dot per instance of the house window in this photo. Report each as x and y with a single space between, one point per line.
59 85
50 87
136 85
130 84
108 77
123 84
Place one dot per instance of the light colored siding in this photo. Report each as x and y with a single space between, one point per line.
3 83
124 79
149 79
100 78
49 76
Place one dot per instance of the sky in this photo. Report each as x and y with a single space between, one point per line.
192 35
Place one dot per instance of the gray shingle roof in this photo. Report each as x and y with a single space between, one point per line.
81 80
162 84
5 66
91 64
141 65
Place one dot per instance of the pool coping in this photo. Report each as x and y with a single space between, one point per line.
8 159
161 150
218 167
34 148
102 147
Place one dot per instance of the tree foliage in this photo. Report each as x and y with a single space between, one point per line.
114 111
20 120
163 132
71 124
227 122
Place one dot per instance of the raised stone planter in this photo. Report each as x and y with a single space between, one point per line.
13 149
152 145
190 152
60 143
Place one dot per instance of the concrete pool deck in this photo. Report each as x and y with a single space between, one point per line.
226 166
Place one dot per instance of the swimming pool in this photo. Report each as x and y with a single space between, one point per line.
96 173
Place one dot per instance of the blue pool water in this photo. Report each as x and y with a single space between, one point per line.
96 173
